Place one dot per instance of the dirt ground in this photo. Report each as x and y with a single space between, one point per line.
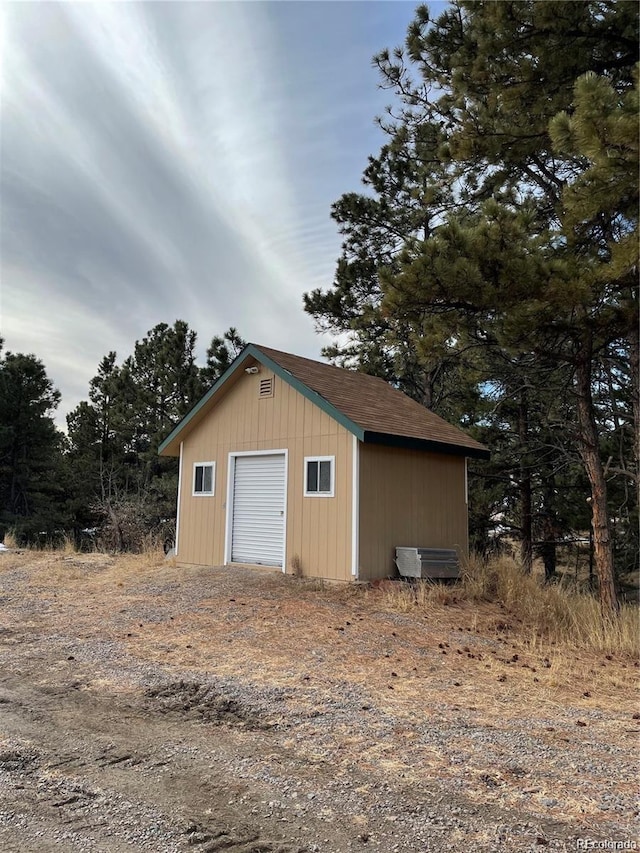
145 706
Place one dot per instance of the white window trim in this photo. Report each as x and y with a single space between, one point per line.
329 494
355 508
210 494
180 466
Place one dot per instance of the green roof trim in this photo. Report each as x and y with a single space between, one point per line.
311 395
203 401
251 351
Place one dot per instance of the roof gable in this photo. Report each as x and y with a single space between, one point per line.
366 406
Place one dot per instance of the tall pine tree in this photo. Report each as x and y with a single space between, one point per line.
32 492
476 225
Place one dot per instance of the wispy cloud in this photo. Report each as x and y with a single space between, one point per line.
164 160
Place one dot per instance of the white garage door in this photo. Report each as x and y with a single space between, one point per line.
257 532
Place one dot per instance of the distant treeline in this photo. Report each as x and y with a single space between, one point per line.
103 483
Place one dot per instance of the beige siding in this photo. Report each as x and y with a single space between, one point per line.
318 529
408 498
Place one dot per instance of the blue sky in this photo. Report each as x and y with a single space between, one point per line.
178 160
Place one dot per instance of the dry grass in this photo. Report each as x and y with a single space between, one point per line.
543 613
501 665
68 545
539 615
10 539
555 612
152 553
524 643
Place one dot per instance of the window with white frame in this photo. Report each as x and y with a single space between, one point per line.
203 478
319 476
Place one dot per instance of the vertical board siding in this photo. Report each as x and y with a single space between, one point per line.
318 529
408 498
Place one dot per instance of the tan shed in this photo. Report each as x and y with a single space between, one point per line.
305 467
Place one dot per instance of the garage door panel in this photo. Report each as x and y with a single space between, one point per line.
258 509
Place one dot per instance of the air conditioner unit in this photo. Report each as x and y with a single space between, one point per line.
427 562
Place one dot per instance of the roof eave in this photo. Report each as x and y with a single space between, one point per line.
411 443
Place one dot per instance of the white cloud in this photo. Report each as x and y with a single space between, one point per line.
73 331
165 160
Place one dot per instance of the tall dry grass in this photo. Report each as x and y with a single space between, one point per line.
10 539
65 544
547 613
554 611
150 555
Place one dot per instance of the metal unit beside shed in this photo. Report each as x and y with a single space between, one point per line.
427 562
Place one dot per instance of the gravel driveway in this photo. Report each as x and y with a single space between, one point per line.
148 707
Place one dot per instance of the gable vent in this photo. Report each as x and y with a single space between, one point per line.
266 387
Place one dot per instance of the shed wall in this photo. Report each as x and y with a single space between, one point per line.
318 529
408 498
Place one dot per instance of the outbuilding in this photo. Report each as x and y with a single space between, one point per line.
316 470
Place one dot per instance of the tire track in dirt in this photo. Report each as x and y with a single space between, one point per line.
118 789
81 813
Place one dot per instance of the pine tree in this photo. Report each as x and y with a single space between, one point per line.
120 481
221 352
32 488
479 227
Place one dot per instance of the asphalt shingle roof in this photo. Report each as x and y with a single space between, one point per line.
367 406
372 403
